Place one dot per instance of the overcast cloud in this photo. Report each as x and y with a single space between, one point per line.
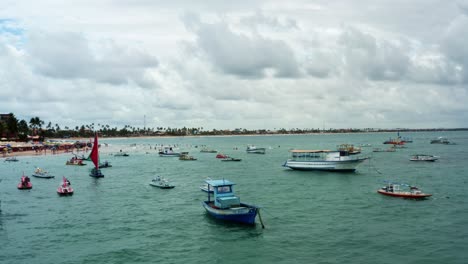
241 64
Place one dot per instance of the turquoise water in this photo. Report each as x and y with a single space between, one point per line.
310 217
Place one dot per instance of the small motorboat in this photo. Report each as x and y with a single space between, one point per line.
231 159
254 149
423 157
11 159
395 190
121 154
75 161
105 164
161 182
185 156
65 189
206 150
40 173
25 183
221 156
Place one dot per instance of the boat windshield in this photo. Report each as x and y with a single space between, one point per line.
223 189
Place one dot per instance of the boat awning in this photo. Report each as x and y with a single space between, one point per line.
216 183
310 151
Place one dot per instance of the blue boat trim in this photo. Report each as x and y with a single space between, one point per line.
226 206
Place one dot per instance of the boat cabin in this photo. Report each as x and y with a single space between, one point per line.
223 194
314 155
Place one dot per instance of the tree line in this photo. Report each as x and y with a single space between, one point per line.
13 129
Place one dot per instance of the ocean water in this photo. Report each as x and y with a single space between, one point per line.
309 217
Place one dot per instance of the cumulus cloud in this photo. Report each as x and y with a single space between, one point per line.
242 55
366 57
68 55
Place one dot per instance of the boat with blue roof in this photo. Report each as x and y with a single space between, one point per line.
224 205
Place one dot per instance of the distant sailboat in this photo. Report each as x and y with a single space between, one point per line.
94 156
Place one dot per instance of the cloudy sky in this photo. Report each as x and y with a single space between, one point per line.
236 64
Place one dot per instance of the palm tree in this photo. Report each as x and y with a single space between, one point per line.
36 123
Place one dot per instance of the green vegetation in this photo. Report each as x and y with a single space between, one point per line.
12 129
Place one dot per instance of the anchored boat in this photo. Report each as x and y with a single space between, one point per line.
226 206
25 183
254 149
94 156
65 189
396 190
423 157
40 173
326 160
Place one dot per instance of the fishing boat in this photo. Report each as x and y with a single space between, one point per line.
326 160
185 156
75 161
11 159
398 140
226 206
423 157
256 150
230 159
40 173
396 190
25 183
65 189
168 152
161 182
94 156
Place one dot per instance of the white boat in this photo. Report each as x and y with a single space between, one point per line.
423 157
441 140
40 173
161 182
168 152
254 149
327 160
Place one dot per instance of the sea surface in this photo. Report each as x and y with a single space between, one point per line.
309 216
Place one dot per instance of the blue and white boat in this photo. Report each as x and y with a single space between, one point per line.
226 206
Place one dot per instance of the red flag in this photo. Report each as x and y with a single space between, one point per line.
94 152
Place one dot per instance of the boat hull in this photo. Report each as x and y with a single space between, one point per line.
96 174
405 194
345 165
169 154
24 187
43 176
65 191
162 186
245 214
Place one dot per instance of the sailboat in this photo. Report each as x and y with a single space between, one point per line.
94 156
